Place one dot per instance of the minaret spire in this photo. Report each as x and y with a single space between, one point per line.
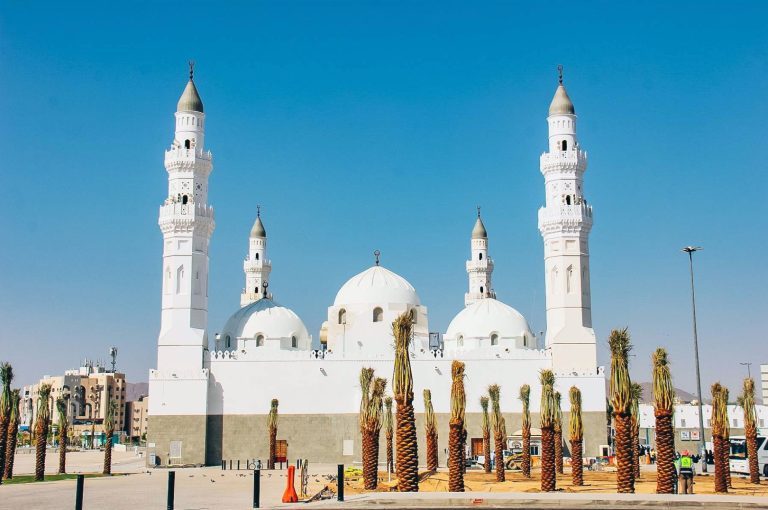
560 73
191 70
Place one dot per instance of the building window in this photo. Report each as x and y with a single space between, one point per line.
564 146
735 423
187 144
460 341
257 256
494 339
682 422
479 256
294 342
414 315
378 314
260 341
184 199
762 423
481 289
342 316
567 199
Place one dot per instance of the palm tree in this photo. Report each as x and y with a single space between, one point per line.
558 430
371 406
109 429
547 417
402 388
726 439
486 433
576 429
637 394
747 402
719 419
388 433
457 432
6 376
621 401
525 398
430 430
13 431
499 431
41 429
664 408
61 407
272 424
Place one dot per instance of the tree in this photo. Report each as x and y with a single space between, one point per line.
637 394
457 432
388 433
747 402
547 419
486 433
430 431
558 437
402 388
576 430
719 419
272 425
109 429
525 398
12 436
499 431
61 407
664 408
6 377
371 407
41 429
621 401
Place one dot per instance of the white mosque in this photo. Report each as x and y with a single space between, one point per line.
210 396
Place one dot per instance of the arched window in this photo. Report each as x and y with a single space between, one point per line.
187 144
569 279
565 145
184 199
479 256
227 344
494 339
378 314
481 290
257 256
553 281
567 199
525 341
294 342
460 341
342 316
414 315
260 341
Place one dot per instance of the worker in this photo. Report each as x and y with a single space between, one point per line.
686 472
676 464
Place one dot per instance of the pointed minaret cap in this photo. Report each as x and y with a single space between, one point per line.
479 231
190 100
258 227
561 104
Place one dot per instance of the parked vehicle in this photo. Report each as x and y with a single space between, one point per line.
738 455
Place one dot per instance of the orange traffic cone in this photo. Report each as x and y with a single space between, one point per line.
289 496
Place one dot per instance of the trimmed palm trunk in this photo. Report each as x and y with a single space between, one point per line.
13 431
664 407
6 376
726 448
747 402
558 430
576 430
719 417
525 398
41 429
637 393
547 417
430 431
272 420
109 429
61 408
499 431
457 432
402 388
371 407
389 433
486 434
621 401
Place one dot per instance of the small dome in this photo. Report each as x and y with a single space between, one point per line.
478 232
377 285
265 317
488 316
561 103
190 100
258 228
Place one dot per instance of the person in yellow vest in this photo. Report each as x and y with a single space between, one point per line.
686 472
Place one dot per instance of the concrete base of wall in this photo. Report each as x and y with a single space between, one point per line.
187 433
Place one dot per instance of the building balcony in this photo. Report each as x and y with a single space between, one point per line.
565 216
575 160
480 265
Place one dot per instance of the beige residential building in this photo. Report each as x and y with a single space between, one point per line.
136 418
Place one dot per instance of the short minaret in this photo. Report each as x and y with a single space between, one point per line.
186 221
480 265
564 223
256 266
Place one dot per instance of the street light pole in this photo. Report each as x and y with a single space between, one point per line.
749 368
702 449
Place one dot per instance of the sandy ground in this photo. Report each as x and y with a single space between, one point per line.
91 461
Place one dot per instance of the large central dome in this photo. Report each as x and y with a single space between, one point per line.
377 285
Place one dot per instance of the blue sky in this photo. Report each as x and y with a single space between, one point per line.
362 126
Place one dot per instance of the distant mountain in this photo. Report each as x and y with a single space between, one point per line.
647 397
135 390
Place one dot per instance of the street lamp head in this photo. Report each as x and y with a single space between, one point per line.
691 249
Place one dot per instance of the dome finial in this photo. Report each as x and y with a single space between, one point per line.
258 211
478 211
560 73
377 254
191 70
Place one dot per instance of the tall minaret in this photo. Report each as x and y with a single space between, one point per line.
257 267
564 223
480 265
187 223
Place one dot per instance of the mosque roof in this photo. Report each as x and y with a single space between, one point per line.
377 285
561 103
488 316
190 100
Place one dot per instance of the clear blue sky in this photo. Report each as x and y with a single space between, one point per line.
362 126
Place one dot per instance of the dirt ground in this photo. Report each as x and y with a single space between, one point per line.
596 482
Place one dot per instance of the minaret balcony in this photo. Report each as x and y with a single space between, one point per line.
187 211
178 158
474 266
565 216
256 265
574 160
